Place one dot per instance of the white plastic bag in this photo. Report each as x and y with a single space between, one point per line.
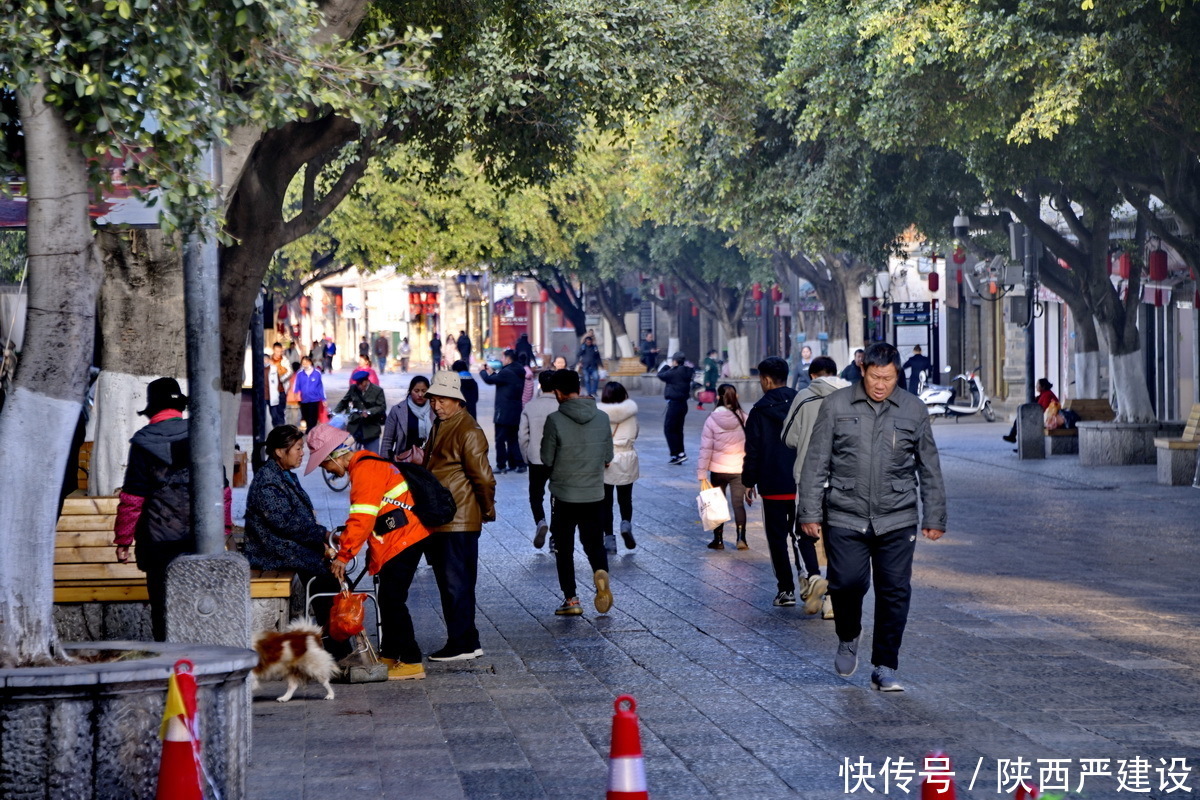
714 509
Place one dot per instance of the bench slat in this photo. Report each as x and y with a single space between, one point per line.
86 522
84 555
89 505
98 571
95 539
97 593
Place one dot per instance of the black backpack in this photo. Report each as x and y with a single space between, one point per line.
432 503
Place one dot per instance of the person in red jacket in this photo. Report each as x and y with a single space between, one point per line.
376 489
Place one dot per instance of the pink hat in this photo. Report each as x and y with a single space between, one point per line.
323 440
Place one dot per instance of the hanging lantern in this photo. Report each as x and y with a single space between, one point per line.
695 309
756 292
1120 265
662 291
282 315
776 294
337 303
544 296
758 308
933 282
1158 265
960 255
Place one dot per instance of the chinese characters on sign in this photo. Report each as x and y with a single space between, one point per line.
1137 775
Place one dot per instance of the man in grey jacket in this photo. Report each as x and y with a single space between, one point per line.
797 430
576 447
529 436
871 453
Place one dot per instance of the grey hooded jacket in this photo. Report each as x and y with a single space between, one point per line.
576 444
862 466
797 428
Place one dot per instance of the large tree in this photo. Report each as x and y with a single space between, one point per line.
97 85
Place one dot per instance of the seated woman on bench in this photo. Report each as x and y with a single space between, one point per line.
282 532
1044 398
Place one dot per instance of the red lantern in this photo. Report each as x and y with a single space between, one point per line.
756 292
1158 265
695 309
544 296
662 291
960 255
776 294
757 308
933 281
1120 265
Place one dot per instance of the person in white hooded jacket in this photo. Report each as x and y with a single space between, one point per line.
620 474
797 430
722 451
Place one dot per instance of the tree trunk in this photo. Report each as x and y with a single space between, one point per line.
40 416
739 355
611 298
141 339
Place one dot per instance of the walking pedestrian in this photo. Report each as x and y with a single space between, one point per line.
678 380
409 422
800 376
622 472
767 471
435 352
468 385
279 373
722 454
463 343
853 370
366 408
527 388
377 487
872 446
576 447
797 430
588 359
154 504
458 458
712 373
382 348
529 437
328 351
311 389
364 365
523 347
509 381
917 363
405 354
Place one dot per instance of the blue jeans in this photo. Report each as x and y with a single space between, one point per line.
591 381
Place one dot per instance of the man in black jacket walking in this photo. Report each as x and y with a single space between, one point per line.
679 385
509 381
768 468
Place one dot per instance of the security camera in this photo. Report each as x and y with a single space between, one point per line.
962 226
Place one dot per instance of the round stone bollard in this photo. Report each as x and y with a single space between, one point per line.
89 730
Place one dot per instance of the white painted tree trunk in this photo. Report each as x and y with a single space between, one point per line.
1131 396
855 334
1087 375
672 348
119 397
624 346
739 356
839 351
42 412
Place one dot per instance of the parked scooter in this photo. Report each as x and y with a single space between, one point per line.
939 400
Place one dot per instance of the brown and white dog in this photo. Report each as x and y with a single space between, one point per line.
297 655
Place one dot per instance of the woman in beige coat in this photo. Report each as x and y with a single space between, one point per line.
623 471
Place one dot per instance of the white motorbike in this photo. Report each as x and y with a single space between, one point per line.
939 400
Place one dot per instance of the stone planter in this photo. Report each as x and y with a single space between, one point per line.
85 731
1106 444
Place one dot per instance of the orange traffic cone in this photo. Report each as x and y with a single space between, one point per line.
179 770
626 769
939 780
1022 793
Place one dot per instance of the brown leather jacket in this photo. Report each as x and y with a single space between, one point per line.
458 457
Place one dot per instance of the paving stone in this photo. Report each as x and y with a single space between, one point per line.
1057 619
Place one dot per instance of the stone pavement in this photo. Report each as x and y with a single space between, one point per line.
1056 620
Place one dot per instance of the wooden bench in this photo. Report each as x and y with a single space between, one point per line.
1177 457
1065 441
86 571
